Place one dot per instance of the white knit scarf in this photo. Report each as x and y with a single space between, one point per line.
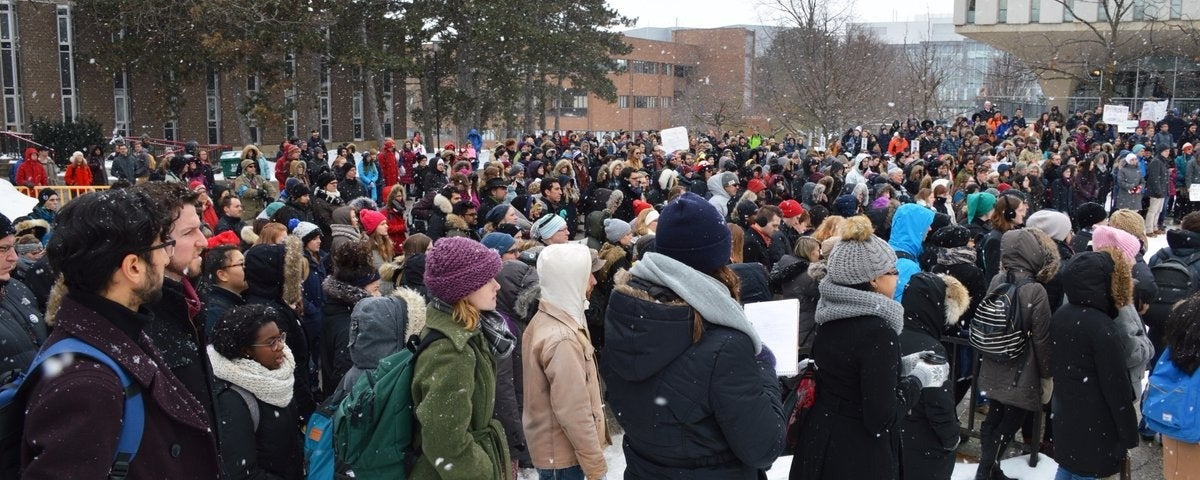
271 386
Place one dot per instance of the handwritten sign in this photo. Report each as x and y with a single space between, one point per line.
675 138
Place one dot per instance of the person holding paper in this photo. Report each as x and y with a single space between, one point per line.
865 386
686 372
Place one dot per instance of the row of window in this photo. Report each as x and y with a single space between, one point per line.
1140 11
655 68
639 101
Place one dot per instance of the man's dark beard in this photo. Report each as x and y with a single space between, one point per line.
148 293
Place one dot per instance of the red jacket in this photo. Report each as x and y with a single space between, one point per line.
408 158
32 173
396 229
388 167
210 216
78 175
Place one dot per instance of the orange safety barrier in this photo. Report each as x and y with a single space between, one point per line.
65 192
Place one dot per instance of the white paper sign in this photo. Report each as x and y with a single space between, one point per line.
778 325
1127 126
1154 111
1194 192
675 138
1115 113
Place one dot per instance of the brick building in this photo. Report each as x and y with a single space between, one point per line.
44 75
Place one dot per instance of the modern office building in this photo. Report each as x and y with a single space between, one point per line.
1154 48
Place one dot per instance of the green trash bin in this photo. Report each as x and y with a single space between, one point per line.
229 163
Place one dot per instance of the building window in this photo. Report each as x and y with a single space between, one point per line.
620 65
571 102
389 105
323 100
1035 11
640 66
664 102
170 130
1002 11
970 11
212 102
289 96
645 102
8 68
1176 9
121 102
253 83
666 69
684 71
623 101
66 63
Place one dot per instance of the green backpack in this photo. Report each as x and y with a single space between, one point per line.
373 425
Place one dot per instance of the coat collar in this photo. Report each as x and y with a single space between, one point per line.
438 319
106 325
564 318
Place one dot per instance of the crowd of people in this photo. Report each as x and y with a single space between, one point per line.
575 285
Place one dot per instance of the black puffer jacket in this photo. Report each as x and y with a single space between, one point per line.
275 450
340 298
755 287
181 339
1094 417
797 278
22 330
702 410
930 428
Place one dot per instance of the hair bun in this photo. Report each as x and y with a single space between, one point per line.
857 229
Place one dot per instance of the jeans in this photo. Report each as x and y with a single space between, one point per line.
569 473
1063 474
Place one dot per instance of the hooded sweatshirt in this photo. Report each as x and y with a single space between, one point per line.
566 275
720 198
909 225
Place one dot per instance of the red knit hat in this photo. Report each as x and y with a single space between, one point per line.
371 220
791 208
224 238
755 185
1003 187
639 205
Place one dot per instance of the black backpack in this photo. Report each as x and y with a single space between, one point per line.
998 330
1175 279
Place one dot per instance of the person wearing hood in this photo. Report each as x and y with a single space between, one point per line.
31 173
853 428
22 329
1139 349
594 222
979 215
389 164
910 223
679 343
930 430
343 227
222 281
454 386
722 186
254 190
1095 421
564 415
1018 388
443 207
274 274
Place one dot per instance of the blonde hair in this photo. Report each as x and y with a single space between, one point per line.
465 314
271 234
640 227
830 227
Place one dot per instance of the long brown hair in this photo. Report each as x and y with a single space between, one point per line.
727 277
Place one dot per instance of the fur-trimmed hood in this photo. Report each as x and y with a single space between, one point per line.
31 225
1107 296
520 289
443 204
381 326
276 271
933 302
456 222
1031 251
342 292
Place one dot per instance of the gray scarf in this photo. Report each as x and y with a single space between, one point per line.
704 293
499 340
838 302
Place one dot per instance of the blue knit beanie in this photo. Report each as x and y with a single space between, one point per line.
692 231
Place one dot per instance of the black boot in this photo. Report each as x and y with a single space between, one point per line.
997 472
988 451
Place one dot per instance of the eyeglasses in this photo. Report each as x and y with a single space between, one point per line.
273 343
167 246
233 265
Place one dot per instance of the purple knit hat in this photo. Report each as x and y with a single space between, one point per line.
458 266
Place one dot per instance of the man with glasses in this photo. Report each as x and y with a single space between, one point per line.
178 330
112 249
224 270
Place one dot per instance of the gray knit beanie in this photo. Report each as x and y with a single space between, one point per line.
859 256
615 228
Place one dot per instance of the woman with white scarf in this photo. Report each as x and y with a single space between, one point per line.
259 427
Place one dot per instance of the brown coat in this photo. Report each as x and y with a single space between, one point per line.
73 419
564 420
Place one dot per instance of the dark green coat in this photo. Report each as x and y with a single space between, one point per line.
454 394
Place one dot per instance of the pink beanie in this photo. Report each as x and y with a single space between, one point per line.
458 266
1105 236
371 220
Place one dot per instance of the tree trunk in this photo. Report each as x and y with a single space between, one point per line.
558 94
371 100
243 123
527 124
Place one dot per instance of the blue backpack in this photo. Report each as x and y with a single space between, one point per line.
1171 401
15 393
318 444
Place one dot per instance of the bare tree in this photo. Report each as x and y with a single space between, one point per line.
702 105
925 71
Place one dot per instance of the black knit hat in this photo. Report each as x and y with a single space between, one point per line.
950 236
45 194
1090 214
323 179
6 226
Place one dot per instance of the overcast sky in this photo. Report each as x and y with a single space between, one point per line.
717 13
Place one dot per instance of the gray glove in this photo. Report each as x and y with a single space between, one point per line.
931 376
908 361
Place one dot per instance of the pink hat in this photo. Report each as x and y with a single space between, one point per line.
371 220
194 184
1105 236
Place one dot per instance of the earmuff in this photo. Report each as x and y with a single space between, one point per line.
762 220
1010 209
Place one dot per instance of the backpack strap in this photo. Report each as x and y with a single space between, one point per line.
251 403
134 419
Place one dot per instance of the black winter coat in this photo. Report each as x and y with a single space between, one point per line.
703 410
340 298
859 405
182 341
22 330
289 323
930 428
274 451
1094 418
229 224
217 301
795 279
755 287
756 250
